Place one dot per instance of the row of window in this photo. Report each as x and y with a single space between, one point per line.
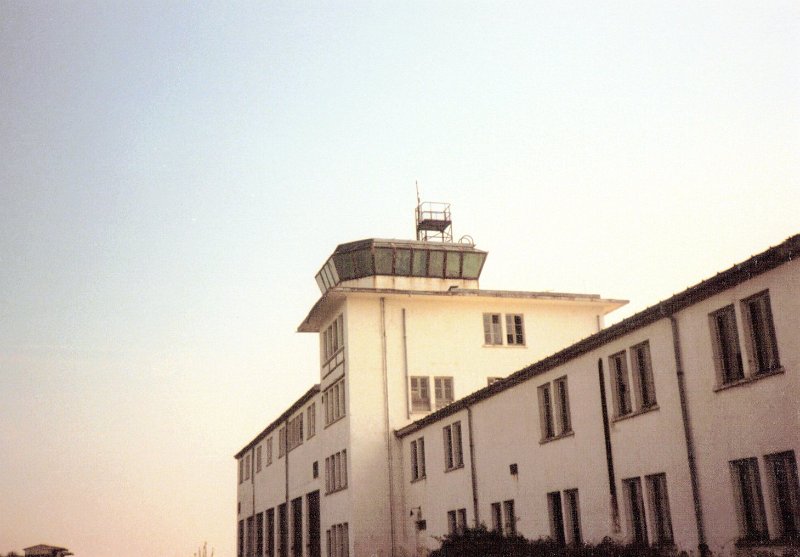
333 401
294 439
493 329
336 472
759 335
332 339
647 509
453 451
421 394
338 540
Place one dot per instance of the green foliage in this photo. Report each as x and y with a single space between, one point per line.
480 542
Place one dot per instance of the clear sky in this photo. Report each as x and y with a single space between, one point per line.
172 176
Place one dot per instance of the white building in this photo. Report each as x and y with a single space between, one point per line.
404 329
676 426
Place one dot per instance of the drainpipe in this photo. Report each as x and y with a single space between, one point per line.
473 473
286 485
405 366
702 546
612 482
389 455
253 491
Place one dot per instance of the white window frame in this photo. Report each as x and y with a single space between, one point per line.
761 342
725 343
492 329
746 482
621 384
443 391
420 392
659 513
784 493
453 447
643 380
311 419
333 399
515 329
417 448
546 416
336 472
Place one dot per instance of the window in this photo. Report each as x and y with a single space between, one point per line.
311 418
338 540
240 547
456 521
749 501
761 344
515 333
295 432
241 469
258 458
418 459
249 540
443 390
315 469
259 534
621 390
643 375
281 441
269 451
573 517
420 394
556 517
497 517
332 339
634 507
727 355
659 509
336 472
453 454
509 518
785 492
247 465
270 532
546 412
503 518
562 406
333 399
492 329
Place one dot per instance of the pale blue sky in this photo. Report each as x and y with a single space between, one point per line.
173 175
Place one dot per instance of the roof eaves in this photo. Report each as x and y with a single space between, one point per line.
756 265
282 418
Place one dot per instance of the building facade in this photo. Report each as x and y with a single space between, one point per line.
404 330
676 427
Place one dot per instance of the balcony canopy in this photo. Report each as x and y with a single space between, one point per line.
401 258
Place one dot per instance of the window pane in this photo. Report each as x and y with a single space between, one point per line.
402 262
436 265
383 261
344 265
453 264
420 263
472 265
363 263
